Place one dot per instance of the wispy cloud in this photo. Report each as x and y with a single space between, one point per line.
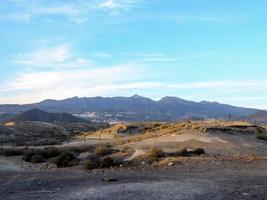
34 86
206 19
75 11
56 57
27 10
101 55
117 4
107 81
189 18
158 57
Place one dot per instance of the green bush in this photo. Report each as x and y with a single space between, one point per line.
37 158
66 159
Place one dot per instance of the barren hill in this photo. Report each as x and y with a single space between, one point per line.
42 116
260 116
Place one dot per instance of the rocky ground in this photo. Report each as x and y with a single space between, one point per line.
194 179
234 166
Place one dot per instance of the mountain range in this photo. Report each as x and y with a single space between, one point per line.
136 108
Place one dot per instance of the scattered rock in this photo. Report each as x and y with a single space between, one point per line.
171 164
109 180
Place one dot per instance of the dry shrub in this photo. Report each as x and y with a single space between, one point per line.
95 161
199 151
107 162
11 152
37 158
261 137
66 159
154 154
103 150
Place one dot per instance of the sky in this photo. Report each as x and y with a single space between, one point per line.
193 49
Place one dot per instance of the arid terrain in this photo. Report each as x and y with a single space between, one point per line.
192 179
179 160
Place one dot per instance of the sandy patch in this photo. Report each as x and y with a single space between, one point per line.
197 136
138 152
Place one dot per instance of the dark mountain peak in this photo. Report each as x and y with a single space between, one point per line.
75 97
48 101
209 102
169 99
37 114
34 111
136 96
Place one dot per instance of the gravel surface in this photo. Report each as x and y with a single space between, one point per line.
198 180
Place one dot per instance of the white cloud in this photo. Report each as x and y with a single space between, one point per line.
109 4
26 10
65 9
56 57
75 11
35 86
108 81
117 4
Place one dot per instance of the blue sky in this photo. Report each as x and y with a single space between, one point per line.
197 50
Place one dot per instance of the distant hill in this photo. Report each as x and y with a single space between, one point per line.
36 114
259 116
136 108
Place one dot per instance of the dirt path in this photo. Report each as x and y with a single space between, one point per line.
73 143
214 180
9 164
138 152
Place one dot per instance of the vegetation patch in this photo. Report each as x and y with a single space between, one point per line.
96 161
93 161
261 137
153 154
198 151
11 152
187 153
104 150
107 162
37 158
50 152
66 159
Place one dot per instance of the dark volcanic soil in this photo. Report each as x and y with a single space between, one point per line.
199 180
